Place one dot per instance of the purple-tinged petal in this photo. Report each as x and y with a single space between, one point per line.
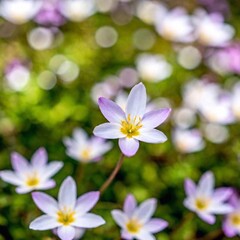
45 203
119 217
39 158
222 194
144 212
79 233
155 225
144 235
108 130
89 220
151 136
44 222
86 202
79 133
19 163
228 230
189 203
66 232
128 146
51 169
68 193
125 235
220 208
23 189
10 177
190 187
129 205
111 111
155 118
46 185
206 217
206 184
136 102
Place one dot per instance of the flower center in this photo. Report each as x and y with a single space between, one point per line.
133 226
130 127
86 154
201 203
235 219
66 217
32 181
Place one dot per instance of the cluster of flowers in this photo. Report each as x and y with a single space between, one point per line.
69 216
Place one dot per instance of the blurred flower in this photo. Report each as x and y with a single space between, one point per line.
231 224
19 11
153 68
184 117
221 6
136 222
85 149
187 141
31 176
175 26
236 101
17 75
206 201
77 10
211 30
69 213
134 124
49 14
106 36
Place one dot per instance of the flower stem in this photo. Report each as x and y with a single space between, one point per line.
113 174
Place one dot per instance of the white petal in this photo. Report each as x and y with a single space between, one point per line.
136 102
108 130
45 203
128 146
19 163
144 212
210 219
51 169
119 217
89 220
39 158
10 177
155 225
68 193
220 208
190 187
144 235
46 185
23 189
206 184
129 205
66 232
151 136
44 222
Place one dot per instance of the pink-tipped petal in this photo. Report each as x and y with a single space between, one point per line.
86 202
68 193
155 225
108 131
155 118
206 184
222 194
144 212
136 102
129 205
39 158
44 222
190 187
111 111
119 217
151 136
128 146
19 163
10 177
206 217
66 232
89 220
45 203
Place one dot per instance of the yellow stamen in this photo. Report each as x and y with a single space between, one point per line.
66 217
32 181
86 154
201 203
130 127
133 226
235 219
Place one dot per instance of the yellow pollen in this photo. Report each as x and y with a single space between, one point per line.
32 181
133 226
86 154
66 217
201 204
130 127
235 219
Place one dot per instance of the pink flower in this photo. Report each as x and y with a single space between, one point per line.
134 124
206 201
31 176
136 221
70 214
